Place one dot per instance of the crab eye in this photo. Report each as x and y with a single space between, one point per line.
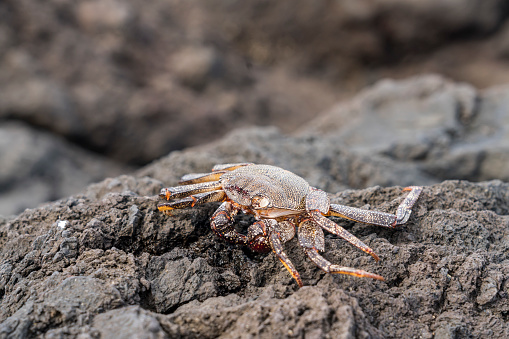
259 202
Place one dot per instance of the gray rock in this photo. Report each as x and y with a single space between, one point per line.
128 322
446 263
448 130
38 167
71 301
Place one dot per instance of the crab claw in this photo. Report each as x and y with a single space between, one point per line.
257 238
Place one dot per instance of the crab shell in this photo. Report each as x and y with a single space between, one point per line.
266 191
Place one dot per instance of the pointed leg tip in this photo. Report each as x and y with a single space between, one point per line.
410 188
165 209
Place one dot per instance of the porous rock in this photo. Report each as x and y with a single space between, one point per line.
65 270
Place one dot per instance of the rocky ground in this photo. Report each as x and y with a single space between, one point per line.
119 89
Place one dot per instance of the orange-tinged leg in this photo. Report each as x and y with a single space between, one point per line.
217 172
317 204
311 239
196 178
268 234
230 167
326 266
258 238
334 228
187 190
277 247
191 201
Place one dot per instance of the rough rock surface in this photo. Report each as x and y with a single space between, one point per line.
107 262
449 130
37 167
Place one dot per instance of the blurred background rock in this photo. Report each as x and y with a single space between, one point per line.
90 89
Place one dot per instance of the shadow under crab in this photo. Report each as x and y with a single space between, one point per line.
280 201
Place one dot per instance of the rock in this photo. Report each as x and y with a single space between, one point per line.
310 312
104 15
449 130
444 269
128 322
324 162
71 301
196 66
38 167
336 36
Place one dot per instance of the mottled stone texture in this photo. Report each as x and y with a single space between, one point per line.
105 263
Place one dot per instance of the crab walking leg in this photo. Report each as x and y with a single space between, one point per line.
379 218
277 248
217 172
334 228
230 167
269 234
311 235
405 208
317 203
195 178
312 240
191 201
187 190
326 266
257 233
222 224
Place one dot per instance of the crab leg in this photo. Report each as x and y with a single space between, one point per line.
334 228
311 236
222 224
217 172
195 178
187 190
269 234
257 234
230 167
326 266
317 204
379 218
276 241
312 240
405 208
277 247
191 201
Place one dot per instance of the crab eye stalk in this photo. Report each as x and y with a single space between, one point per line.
259 202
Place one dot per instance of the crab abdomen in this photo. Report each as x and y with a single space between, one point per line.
283 189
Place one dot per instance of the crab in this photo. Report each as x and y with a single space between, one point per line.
280 201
